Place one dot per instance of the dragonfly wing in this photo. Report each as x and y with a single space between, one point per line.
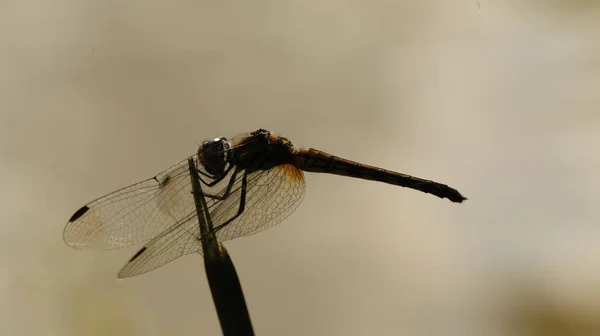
181 239
161 212
271 196
134 214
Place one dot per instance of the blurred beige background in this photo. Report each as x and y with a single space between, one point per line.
496 98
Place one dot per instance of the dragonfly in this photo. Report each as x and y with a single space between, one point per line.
250 182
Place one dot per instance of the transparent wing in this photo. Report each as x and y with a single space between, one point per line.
134 214
162 210
271 196
137 213
173 243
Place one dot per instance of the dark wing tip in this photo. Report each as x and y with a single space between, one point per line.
79 213
125 273
135 256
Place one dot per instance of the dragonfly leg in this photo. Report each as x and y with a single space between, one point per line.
217 180
242 204
227 190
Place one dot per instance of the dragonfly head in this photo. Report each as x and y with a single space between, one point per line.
213 155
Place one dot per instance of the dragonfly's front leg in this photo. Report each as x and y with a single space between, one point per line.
217 180
228 188
242 203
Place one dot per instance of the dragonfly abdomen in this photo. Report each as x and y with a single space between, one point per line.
316 161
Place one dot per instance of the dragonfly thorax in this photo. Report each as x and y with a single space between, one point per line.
213 156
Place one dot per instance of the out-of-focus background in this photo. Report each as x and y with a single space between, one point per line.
498 99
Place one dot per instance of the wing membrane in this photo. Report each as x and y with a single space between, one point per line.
134 214
272 195
173 243
161 212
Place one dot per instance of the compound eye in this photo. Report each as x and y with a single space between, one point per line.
213 156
